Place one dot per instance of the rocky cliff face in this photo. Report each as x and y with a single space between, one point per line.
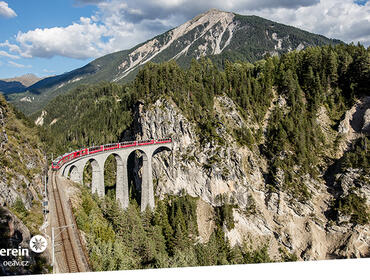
204 171
208 33
21 186
235 174
21 160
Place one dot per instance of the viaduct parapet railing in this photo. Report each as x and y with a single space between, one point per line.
72 165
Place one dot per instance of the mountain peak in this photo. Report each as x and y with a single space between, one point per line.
212 26
218 34
26 79
214 11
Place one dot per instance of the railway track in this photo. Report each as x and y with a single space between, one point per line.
65 237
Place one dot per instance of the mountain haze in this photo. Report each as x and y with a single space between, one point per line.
217 34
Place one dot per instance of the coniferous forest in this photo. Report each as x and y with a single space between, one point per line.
330 77
228 139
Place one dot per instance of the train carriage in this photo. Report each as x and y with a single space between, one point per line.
145 142
163 141
127 144
96 149
108 147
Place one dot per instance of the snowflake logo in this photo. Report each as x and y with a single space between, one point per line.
38 244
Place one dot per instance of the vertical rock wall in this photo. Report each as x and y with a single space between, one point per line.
210 171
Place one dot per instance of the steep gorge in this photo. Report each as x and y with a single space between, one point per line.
276 152
261 216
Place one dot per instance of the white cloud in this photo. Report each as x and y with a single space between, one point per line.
18 65
120 25
5 11
11 47
79 40
151 9
340 19
4 53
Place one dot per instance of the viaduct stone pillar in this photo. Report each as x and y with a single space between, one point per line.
147 193
75 175
97 184
122 195
65 171
77 170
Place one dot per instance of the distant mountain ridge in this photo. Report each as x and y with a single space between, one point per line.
26 79
217 34
18 84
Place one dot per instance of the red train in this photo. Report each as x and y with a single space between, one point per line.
58 162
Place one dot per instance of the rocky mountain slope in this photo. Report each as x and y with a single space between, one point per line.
220 35
261 216
21 185
283 143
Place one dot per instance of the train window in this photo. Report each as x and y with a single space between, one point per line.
127 143
110 145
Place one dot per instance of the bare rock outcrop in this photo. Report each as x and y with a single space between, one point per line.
20 162
209 171
366 126
356 121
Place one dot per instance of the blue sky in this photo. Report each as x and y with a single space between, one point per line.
31 15
47 37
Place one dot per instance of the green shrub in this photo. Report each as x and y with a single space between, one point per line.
19 208
354 206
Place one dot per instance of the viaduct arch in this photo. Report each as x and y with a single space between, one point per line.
75 168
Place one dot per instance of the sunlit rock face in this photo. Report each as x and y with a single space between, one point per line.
235 174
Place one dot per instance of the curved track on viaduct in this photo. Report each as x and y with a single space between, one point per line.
96 156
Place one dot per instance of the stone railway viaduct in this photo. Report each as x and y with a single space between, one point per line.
74 170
